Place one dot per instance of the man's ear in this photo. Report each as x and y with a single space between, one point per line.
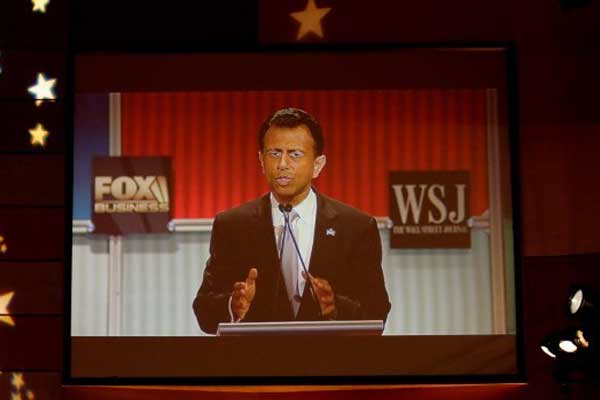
319 165
262 163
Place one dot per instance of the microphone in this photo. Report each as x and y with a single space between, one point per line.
285 210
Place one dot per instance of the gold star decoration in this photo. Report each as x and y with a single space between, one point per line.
17 381
20 391
40 5
310 19
4 313
38 135
3 246
43 89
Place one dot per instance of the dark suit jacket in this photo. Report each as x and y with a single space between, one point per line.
243 238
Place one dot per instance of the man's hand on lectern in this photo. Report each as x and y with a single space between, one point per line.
325 296
243 294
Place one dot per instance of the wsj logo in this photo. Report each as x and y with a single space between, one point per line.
410 200
429 209
131 194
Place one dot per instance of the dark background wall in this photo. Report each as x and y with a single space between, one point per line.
557 58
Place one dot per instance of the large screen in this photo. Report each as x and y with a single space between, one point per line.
294 215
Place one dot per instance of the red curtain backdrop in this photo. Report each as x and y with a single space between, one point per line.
212 137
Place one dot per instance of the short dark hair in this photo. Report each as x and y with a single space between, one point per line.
291 118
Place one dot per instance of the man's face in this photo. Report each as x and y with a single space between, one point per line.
289 162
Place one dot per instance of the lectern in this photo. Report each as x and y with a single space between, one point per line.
367 327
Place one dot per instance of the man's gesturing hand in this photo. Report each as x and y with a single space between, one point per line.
325 295
243 294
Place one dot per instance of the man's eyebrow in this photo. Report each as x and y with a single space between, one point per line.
287 151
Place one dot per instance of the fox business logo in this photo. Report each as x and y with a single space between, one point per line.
131 194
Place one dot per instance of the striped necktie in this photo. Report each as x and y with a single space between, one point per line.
289 264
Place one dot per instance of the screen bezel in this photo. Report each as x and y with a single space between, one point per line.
511 120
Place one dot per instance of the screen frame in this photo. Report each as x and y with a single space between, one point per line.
513 138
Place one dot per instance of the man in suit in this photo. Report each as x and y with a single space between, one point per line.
255 270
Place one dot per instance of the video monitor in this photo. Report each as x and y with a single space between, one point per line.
294 215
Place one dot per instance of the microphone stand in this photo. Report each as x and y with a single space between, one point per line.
285 210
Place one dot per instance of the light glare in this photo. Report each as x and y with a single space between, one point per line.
567 346
576 301
548 352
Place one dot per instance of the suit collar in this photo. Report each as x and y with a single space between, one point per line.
325 209
323 245
270 267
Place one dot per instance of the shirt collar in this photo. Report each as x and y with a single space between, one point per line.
305 210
